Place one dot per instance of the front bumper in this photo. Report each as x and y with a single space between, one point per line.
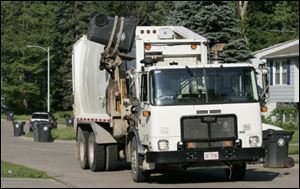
197 155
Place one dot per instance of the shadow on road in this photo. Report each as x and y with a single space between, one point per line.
207 176
254 175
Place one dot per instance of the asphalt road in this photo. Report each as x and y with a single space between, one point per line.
58 159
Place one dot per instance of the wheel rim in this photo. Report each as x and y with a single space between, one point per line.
91 152
133 162
81 151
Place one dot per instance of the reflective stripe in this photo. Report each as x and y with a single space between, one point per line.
93 120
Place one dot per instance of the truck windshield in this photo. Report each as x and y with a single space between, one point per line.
40 116
203 86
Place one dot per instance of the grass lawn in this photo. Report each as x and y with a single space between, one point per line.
18 117
293 149
65 133
295 138
11 170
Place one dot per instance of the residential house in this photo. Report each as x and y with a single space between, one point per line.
282 62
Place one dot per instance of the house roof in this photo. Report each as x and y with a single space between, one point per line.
290 51
287 43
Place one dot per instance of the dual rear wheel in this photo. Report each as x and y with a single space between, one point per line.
97 157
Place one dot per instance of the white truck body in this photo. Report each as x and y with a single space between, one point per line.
89 83
159 125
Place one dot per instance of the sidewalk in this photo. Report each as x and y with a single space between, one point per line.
30 183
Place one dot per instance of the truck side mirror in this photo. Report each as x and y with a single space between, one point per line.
134 109
264 88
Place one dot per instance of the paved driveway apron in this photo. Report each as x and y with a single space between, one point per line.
58 160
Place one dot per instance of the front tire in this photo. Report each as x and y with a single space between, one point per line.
96 154
236 172
137 173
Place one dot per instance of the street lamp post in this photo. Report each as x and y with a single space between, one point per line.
48 83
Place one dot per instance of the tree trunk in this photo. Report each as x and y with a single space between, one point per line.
242 8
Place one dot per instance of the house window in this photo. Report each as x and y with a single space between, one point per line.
277 73
280 72
284 73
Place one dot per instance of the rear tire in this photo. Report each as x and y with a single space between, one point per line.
137 173
82 148
96 154
111 157
236 172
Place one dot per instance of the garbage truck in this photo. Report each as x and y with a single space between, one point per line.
151 95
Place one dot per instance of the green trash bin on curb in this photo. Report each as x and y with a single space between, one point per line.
276 143
42 131
18 128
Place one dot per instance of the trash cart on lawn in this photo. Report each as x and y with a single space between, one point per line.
69 121
276 143
42 131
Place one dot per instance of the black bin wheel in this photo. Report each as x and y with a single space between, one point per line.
289 162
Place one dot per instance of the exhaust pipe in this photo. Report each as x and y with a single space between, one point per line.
216 49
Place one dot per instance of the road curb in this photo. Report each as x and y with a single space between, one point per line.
55 141
31 183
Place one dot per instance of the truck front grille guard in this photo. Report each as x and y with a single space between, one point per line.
197 129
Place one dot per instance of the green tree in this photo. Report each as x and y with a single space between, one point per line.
70 23
147 12
271 22
24 70
214 20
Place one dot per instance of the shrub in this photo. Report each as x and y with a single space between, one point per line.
63 115
288 110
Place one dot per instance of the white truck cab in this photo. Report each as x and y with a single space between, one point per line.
193 111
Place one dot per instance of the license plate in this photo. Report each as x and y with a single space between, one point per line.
211 155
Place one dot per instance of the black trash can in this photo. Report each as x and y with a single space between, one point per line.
10 116
69 121
18 128
276 143
42 132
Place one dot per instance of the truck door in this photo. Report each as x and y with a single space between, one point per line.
145 110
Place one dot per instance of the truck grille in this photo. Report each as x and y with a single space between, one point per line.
209 131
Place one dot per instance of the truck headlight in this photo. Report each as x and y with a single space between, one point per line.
253 140
45 128
163 145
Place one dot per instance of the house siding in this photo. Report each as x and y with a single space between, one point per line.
285 93
282 94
